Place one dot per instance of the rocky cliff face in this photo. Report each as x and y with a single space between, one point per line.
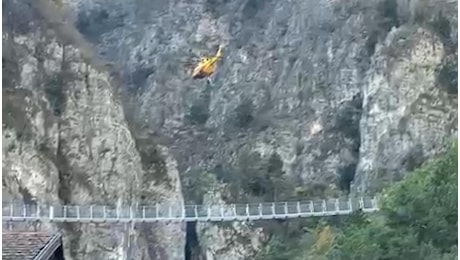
344 95
295 79
283 77
312 98
232 240
66 140
407 115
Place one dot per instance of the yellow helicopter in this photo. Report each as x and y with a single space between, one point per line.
207 66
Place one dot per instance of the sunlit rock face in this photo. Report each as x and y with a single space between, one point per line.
66 140
407 117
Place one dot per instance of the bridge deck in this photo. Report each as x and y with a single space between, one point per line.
160 212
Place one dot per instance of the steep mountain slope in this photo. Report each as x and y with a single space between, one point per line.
66 141
312 98
295 79
407 114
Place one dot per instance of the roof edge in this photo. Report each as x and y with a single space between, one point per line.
48 250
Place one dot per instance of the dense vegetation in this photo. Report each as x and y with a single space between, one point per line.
417 220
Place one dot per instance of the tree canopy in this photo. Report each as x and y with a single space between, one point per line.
417 219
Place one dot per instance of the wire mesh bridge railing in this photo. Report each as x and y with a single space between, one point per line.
14 211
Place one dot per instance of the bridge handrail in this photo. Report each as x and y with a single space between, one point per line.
168 211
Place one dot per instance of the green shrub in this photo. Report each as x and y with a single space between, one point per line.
256 178
195 185
199 114
381 24
388 14
441 26
417 218
448 75
15 112
244 113
54 91
199 111
287 240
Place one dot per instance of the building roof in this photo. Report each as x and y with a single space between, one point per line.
29 245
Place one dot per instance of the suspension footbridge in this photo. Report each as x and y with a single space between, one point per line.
20 212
